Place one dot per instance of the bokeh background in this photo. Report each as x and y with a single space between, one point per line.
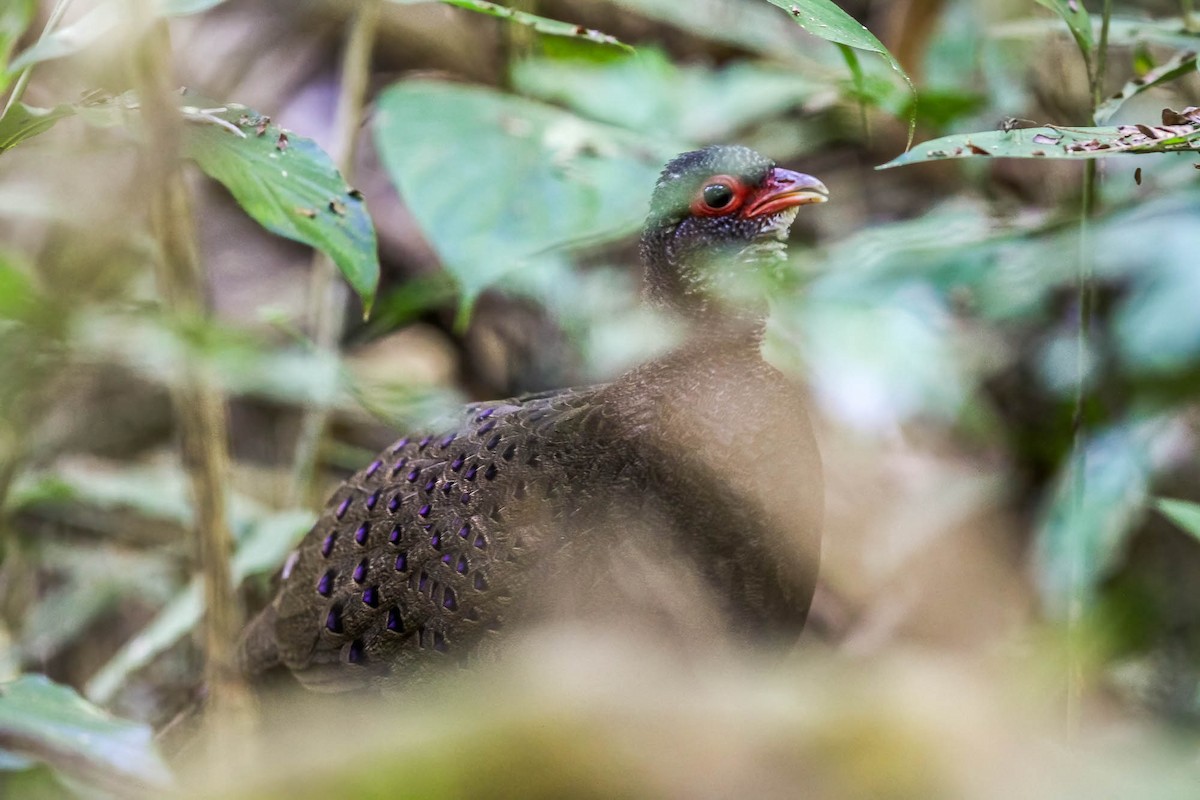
1009 601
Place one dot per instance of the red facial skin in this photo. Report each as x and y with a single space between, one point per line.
782 189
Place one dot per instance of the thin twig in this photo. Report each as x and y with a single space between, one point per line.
19 87
1085 302
198 403
326 293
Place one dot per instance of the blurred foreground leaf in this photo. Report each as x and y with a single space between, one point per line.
15 16
289 185
1078 22
1183 513
24 122
496 181
1176 67
1053 141
43 721
260 549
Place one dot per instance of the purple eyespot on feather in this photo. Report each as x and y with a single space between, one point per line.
449 601
394 536
373 499
400 445
375 465
402 562
480 582
327 545
360 535
487 427
425 443
413 475
399 466
447 558
457 463
490 473
465 499
395 622
480 542
370 597
430 484
354 653
360 572
446 442
422 582
341 509
333 620
487 412
394 503
493 442
325 584
461 566
465 530
470 473
424 510
436 541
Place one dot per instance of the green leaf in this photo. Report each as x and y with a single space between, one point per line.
1183 513
1053 141
824 19
24 122
496 181
42 720
15 16
1177 66
288 184
1076 16
261 549
1080 539
648 93
550 27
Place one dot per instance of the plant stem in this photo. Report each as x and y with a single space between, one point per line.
1085 301
198 403
326 294
56 15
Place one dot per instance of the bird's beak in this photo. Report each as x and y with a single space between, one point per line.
782 190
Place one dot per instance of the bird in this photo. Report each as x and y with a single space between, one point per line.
701 464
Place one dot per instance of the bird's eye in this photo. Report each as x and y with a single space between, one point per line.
718 195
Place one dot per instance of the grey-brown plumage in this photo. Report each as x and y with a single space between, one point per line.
699 464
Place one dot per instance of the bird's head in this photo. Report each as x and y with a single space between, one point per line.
717 214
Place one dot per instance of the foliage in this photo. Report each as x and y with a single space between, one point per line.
941 318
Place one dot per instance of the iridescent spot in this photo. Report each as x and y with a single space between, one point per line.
360 535
465 530
466 498
423 511
394 536
490 472
423 582
325 585
401 562
370 597
470 473
333 620
425 443
395 622
439 642
413 475
327 545
399 466
446 442
373 499
480 582
400 445
394 503
449 601
487 427
436 541
341 509
447 488
493 442
457 463
480 542
509 452
461 566
354 654
375 465
447 558
487 412
360 572
430 484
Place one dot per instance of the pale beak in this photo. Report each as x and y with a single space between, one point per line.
782 190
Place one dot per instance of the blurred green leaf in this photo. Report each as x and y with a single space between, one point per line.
1176 67
1076 16
496 181
1081 536
1183 513
550 27
260 549
17 292
649 94
747 24
289 185
15 16
1055 142
24 122
42 720
824 19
